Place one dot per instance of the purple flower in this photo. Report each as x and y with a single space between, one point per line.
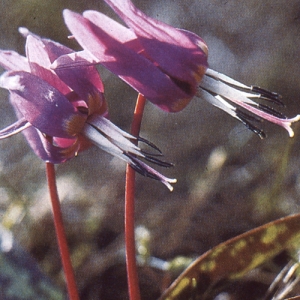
162 63
167 65
64 112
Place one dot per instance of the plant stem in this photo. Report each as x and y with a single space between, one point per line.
132 274
60 233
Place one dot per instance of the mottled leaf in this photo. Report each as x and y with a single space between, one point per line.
234 258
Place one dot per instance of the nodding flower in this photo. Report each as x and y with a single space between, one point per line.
63 112
161 62
165 64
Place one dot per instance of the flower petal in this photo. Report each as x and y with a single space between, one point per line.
13 61
117 31
90 74
40 63
43 148
84 80
42 105
14 128
173 50
134 69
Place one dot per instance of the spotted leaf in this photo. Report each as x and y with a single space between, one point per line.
235 257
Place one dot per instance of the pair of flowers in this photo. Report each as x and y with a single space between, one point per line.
59 98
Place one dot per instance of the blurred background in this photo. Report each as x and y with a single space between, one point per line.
229 180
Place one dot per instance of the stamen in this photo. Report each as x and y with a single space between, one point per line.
268 95
271 111
150 154
226 79
257 91
140 139
244 119
137 166
117 136
247 116
158 161
230 95
147 171
113 140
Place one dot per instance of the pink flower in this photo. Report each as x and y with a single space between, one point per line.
162 63
167 65
64 112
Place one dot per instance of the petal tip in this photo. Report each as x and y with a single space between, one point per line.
23 31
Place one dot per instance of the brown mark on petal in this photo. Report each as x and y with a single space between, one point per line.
180 104
74 125
96 104
200 73
188 88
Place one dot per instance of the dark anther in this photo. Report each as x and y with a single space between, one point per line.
153 146
247 116
245 120
267 95
158 162
138 167
271 111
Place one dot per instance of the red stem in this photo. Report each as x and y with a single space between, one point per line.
132 274
60 233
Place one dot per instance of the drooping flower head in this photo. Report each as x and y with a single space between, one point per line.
64 112
162 63
167 65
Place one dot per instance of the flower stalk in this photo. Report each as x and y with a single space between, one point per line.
60 233
132 274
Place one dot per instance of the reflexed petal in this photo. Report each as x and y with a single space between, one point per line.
42 105
46 150
117 31
15 128
13 61
178 54
89 74
53 49
42 147
58 154
79 66
40 63
75 59
79 79
134 69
